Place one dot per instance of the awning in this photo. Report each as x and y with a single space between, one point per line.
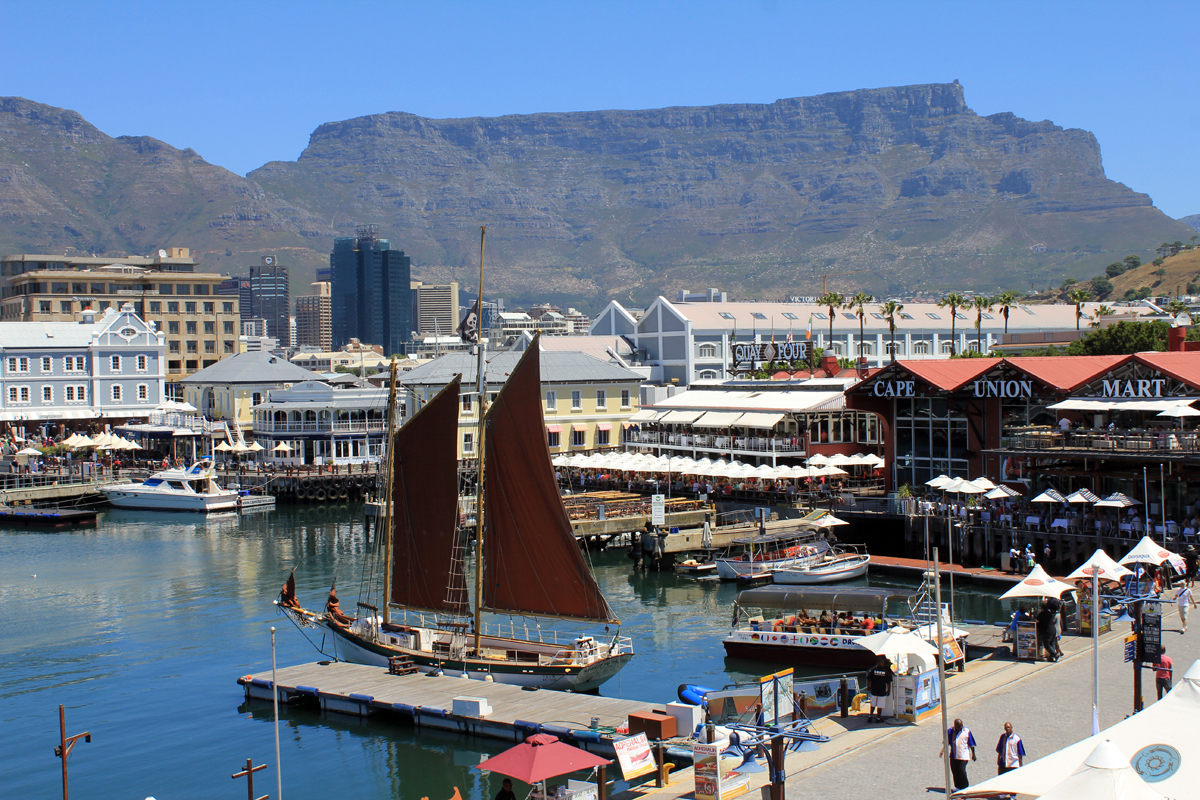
627 425
717 419
755 419
579 426
554 428
1121 403
646 415
681 417
604 426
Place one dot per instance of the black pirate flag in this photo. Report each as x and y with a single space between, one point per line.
468 331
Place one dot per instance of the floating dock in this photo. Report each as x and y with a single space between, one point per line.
46 517
452 704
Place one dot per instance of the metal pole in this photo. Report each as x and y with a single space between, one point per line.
950 554
1095 649
275 703
62 729
1162 504
937 588
1138 648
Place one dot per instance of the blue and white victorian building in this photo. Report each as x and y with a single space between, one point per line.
108 365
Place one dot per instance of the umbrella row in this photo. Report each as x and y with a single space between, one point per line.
1038 582
842 460
720 468
103 441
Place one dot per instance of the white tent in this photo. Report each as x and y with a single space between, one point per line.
1104 775
983 483
1002 493
282 447
1049 496
896 642
1147 551
1161 741
29 451
1102 565
1117 500
1037 583
1082 496
940 481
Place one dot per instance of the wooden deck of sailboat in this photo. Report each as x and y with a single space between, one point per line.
428 701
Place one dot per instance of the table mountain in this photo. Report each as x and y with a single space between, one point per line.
904 187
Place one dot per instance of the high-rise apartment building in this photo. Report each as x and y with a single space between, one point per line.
269 296
313 319
370 291
201 326
436 308
239 288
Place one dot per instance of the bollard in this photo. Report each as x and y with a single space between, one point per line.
844 698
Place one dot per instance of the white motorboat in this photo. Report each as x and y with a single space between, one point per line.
837 565
191 489
762 554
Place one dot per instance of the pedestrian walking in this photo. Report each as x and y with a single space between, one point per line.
1184 599
962 749
1045 632
1010 751
1163 670
879 682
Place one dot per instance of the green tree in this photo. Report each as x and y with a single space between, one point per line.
1114 269
1079 297
953 301
1102 311
1102 286
1132 262
1123 338
832 301
1161 272
857 304
980 304
1175 308
889 310
1158 262
1006 300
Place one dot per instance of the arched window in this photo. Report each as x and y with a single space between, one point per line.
708 351
836 347
920 348
973 346
708 374
947 348
894 348
866 349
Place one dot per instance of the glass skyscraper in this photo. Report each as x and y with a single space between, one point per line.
370 292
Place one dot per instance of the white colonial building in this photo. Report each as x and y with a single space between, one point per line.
322 425
690 341
107 365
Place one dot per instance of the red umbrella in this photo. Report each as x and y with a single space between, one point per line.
541 756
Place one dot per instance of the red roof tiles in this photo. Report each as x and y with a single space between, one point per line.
1066 373
1182 366
949 374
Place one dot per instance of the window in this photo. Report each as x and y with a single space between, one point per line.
726 315
65 307
228 346
44 306
227 326
98 288
173 327
210 346
865 349
758 315
973 346
468 404
988 316
876 315
708 351
210 327
468 442
182 288
226 308
173 345
116 392
552 439
190 326
578 438
173 307
47 394
200 288
789 315
74 364
959 315
189 308
905 315
69 392
210 308
624 398
947 348
47 364
18 394
552 403
18 365
920 348
836 347
166 288
707 374
601 399
155 306
115 363
602 438
850 317
105 305
576 400
192 364
894 348
191 346
141 363
932 315
820 315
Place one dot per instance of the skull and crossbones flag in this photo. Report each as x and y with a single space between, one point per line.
468 331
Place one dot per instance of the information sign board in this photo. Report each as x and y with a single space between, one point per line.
1027 644
658 509
1151 636
634 756
776 687
1130 648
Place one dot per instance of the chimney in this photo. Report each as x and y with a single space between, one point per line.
830 365
88 316
1175 339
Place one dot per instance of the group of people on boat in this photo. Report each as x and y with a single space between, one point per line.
333 608
843 623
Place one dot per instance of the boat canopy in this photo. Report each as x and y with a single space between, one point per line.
818 598
793 536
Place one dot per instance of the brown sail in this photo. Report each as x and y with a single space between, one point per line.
532 563
425 506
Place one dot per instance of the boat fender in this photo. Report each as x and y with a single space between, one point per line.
432 711
586 736
363 698
245 679
405 708
264 684
560 731
305 483
311 691
527 727
320 494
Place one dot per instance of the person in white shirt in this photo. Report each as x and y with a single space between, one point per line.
1184 599
962 749
1010 751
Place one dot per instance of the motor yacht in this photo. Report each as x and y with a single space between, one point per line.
191 489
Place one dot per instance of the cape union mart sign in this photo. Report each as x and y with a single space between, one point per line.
766 351
982 388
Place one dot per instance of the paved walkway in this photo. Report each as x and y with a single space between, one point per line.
1049 705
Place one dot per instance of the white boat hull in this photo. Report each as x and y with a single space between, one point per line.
132 496
730 569
839 570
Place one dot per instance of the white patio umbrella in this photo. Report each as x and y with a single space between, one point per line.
256 447
961 486
829 469
1001 493
817 460
1038 583
1082 496
558 461
939 481
838 459
240 447
29 451
83 441
1102 566
222 447
896 642
983 483
70 440
1179 411
282 447
1147 551
1049 496
1104 775
1118 500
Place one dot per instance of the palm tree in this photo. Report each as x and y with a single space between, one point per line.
1006 300
980 304
856 304
1175 308
889 310
1078 297
953 301
832 301
1102 311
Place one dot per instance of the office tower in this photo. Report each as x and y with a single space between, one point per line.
370 291
239 288
269 296
436 309
313 319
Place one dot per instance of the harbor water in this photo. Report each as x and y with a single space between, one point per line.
141 625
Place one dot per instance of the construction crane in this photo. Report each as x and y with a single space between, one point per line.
824 290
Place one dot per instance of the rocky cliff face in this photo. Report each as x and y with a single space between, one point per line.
904 187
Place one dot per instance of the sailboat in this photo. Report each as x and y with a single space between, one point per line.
527 561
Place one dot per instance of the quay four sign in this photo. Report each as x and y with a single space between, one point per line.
766 351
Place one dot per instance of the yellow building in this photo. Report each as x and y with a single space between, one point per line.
587 401
230 389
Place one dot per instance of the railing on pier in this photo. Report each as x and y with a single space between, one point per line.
791 446
1103 442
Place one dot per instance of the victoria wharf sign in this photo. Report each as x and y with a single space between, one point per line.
768 351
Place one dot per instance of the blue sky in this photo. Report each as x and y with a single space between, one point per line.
244 83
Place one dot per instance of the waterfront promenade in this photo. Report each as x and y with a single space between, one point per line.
1049 705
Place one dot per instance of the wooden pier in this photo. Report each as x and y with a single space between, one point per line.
429 701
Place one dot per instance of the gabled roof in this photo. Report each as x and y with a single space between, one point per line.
255 367
1066 373
557 367
1182 366
948 374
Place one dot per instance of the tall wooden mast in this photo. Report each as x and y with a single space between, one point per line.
388 474
482 383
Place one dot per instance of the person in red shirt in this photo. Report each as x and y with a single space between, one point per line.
1162 673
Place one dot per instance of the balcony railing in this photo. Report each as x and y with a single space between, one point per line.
741 444
319 426
1123 442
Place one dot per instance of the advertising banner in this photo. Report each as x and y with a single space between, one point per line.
634 756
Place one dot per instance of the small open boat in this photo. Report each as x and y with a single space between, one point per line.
839 564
